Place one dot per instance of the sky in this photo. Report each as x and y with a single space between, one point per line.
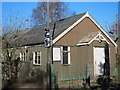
100 11
61 0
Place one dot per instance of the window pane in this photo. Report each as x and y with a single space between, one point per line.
24 57
38 53
65 48
21 56
35 57
65 57
38 59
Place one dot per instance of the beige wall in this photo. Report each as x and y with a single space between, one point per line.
78 32
81 55
28 65
77 66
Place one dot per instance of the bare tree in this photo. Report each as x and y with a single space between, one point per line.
12 29
57 11
112 30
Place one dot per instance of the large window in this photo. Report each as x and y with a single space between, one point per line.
66 55
37 58
22 57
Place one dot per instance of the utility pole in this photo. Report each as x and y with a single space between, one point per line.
116 25
26 23
49 45
116 29
118 43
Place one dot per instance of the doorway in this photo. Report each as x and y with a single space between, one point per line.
99 60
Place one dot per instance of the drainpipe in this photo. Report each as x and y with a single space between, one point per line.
52 42
88 67
107 62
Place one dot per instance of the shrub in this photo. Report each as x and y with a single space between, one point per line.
38 74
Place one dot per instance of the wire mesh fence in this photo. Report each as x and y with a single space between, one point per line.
70 79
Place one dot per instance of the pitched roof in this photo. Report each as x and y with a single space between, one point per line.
36 34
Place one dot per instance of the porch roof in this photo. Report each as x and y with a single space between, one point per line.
88 38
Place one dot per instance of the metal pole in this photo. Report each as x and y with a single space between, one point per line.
52 65
48 50
48 13
116 26
52 43
51 68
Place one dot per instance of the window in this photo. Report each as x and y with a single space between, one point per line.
56 54
22 57
10 54
37 58
66 55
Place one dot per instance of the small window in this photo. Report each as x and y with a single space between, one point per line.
66 55
10 54
37 58
22 56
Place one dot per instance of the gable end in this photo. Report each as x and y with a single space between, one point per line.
77 22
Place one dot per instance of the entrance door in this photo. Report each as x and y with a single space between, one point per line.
99 60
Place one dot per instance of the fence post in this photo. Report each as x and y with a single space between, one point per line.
0 75
52 77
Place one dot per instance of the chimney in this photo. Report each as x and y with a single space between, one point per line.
26 23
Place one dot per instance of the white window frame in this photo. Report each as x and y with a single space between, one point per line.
10 54
38 53
23 56
69 62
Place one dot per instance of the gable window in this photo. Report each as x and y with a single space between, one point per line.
22 57
66 55
37 58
